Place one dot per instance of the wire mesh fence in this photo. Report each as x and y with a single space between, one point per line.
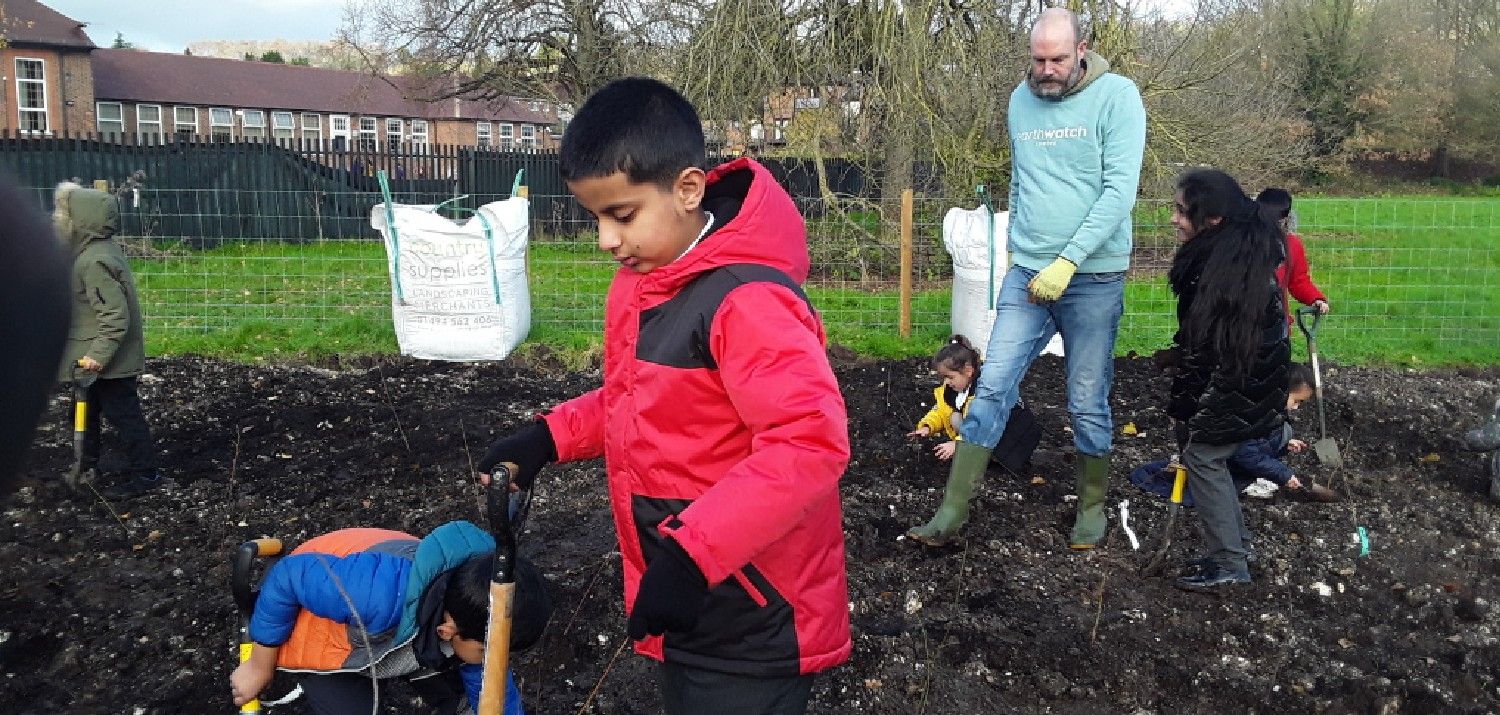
1409 278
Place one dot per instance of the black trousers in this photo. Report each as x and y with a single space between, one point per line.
694 691
351 694
117 401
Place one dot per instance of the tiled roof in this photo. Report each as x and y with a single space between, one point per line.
156 77
28 22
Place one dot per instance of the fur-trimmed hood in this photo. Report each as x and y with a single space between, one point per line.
82 215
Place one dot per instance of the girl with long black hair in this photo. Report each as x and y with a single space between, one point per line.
1234 355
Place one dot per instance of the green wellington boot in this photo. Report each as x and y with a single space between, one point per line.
1093 483
969 461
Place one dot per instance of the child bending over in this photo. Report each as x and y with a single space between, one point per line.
958 364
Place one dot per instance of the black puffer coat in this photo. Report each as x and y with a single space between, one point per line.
1222 409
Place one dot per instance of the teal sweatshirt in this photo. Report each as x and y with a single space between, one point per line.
1076 163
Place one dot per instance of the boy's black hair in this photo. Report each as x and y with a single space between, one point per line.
1276 202
637 125
468 601
468 596
1298 376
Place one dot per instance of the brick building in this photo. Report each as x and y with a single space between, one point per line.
62 83
48 78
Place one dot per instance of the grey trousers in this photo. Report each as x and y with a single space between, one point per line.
1218 504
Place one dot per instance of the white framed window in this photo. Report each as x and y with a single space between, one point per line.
394 133
536 106
338 131
419 134
185 122
31 95
507 136
312 127
110 118
148 123
528 136
282 125
482 136
252 123
368 139
221 124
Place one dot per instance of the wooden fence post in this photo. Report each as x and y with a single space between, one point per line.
907 201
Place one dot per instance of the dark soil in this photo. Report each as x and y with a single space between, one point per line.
133 614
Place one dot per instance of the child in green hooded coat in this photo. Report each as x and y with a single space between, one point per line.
106 340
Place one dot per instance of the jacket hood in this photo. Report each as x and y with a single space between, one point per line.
755 221
1094 67
445 549
83 215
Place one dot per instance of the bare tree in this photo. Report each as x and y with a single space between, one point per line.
1214 95
488 48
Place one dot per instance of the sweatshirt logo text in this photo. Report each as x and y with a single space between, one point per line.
1050 136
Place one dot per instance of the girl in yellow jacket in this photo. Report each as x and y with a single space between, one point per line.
958 364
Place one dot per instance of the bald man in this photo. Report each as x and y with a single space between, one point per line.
1077 133
34 305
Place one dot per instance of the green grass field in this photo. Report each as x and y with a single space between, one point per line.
1413 280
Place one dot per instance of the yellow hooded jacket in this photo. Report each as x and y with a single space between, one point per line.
940 417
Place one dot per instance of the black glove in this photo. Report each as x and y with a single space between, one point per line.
672 594
529 448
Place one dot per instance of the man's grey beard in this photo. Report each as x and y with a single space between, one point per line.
1056 91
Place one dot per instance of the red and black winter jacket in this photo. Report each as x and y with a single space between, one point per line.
722 427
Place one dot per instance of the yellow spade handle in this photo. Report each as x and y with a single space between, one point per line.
263 547
80 416
252 707
496 650
268 547
1179 484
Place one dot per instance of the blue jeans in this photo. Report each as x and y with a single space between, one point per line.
1088 316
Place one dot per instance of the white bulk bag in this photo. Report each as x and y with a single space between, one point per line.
975 238
458 289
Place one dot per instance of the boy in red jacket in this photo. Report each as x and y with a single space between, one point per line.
1293 274
720 422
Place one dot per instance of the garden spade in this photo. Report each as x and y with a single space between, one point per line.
1164 542
1326 449
244 596
82 381
502 592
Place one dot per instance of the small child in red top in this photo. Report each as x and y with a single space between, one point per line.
1293 275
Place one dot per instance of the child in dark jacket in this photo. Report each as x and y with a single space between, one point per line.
1262 458
1230 387
1258 462
354 601
721 424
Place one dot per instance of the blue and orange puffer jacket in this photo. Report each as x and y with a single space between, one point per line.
305 601
722 427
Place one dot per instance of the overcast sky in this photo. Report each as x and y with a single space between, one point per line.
169 25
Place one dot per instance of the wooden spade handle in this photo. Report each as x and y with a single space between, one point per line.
497 649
